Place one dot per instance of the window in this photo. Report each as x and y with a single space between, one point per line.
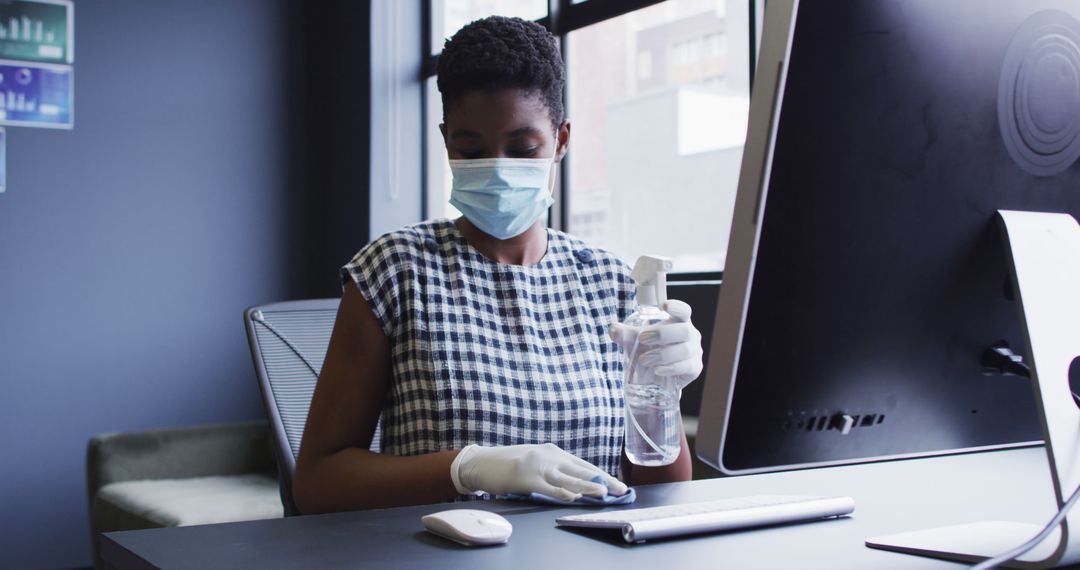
658 96
715 45
449 16
644 65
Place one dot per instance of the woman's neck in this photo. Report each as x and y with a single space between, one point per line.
527 248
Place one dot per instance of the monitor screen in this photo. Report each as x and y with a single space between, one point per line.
866 274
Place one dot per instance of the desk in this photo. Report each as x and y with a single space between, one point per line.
889 497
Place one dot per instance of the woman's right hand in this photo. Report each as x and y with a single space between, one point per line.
524 469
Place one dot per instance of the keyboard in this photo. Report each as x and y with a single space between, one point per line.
639 525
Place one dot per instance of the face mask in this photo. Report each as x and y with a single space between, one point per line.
502 197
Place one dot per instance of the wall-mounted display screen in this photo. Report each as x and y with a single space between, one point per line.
36 95
37 30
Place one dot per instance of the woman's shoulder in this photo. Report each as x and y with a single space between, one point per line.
407 242
590 256
414 235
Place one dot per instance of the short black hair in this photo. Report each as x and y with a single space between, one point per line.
496 53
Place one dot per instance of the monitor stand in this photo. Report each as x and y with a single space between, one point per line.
1045 253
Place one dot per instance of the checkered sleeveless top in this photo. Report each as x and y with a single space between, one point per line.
496 354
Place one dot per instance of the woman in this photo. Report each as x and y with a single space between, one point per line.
486 342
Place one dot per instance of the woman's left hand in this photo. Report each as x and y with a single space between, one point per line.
672 349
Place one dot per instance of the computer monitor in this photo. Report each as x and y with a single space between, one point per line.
866 275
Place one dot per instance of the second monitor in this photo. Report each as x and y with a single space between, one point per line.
866 277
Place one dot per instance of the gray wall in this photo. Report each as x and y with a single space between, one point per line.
130 245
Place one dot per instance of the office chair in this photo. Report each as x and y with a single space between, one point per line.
288 345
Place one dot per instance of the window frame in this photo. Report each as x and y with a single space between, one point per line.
563 17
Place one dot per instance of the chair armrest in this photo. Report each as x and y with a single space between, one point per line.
173 453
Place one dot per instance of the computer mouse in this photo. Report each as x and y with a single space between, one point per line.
470 527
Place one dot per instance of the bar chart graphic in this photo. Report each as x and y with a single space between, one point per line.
36 95
37 30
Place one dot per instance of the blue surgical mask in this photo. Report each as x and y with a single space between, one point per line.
502 197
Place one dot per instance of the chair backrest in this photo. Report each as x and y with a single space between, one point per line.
288 345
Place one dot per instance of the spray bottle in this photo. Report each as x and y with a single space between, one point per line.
652 403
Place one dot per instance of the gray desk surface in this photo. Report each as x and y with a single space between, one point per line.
889 497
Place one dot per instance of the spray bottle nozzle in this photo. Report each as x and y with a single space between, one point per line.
650 274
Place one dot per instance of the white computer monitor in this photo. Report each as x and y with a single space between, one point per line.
866 277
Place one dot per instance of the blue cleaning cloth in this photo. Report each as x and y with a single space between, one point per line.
626 499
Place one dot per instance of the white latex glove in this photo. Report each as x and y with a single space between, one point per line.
672 349
524 469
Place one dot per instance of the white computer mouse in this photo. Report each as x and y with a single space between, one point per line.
470 527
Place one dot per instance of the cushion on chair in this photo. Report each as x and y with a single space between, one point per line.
197 500
191 451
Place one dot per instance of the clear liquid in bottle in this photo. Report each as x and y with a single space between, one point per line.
653 436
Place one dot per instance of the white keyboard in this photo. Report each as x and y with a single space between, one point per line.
639 525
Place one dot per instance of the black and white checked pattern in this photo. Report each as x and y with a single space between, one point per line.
497 354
